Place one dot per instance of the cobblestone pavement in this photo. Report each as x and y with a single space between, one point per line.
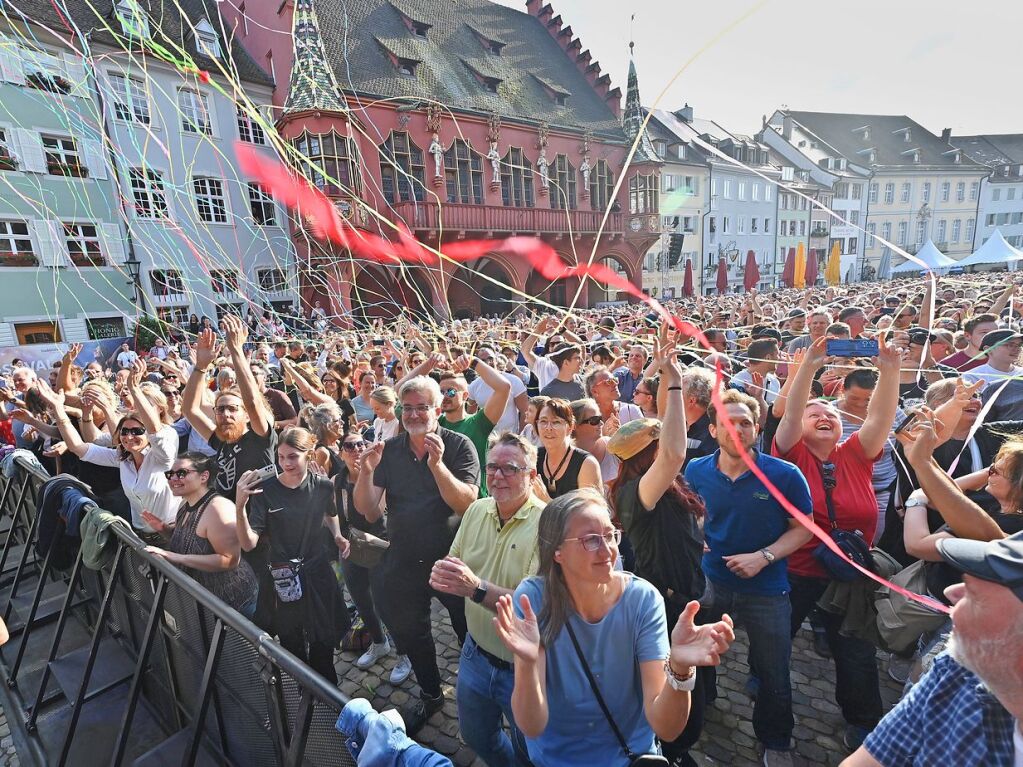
727 736
8 756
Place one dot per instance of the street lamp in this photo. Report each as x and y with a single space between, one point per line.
134 268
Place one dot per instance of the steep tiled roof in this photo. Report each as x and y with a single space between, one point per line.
312 84
356 33
1000 149
633 119
167 22
886 135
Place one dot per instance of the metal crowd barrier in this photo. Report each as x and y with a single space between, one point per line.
138 664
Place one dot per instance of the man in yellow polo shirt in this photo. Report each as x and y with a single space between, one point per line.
494 550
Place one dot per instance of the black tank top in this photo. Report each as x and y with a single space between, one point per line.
568 481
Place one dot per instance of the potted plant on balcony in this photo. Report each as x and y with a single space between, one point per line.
819 232
7 160
75 170
19 258
88 259
47 82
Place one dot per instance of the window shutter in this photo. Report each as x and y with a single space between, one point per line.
74 66
50 245
10 61
112 242
7 335
95 158
33 158
74 329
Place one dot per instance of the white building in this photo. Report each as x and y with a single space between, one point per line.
1001 193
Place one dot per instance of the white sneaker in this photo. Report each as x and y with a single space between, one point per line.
402 670
373 654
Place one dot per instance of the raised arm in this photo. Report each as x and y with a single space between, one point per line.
191 397
305 389
531 340
367 496
884 402
261 417
1003 300
146 410
68 432
495 406
64 374
790 429
671 447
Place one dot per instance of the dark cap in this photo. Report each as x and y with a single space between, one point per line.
996 337
762 331
921 336
607 322
797 312
999 561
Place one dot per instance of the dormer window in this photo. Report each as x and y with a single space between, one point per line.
420 28
206 41
407 66
490 83
134 23
661 148
864 131
495 47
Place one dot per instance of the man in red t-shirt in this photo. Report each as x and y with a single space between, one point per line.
808 436
971 357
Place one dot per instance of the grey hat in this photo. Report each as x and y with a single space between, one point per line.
999 561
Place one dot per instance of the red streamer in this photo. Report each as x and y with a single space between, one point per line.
326 223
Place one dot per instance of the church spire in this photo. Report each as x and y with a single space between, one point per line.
312 85
632 121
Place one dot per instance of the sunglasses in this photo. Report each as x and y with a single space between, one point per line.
594 420
179 473
133 431
351 447
449 392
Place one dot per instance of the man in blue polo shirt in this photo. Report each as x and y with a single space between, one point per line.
748 536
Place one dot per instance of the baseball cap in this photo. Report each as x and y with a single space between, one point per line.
633 437
999 561
797 313
765 332
996 337
920 336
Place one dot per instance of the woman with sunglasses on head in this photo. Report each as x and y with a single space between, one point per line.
574 621
204 538
146 446
357 577
308 613
327 423
645 397
561 466
589 436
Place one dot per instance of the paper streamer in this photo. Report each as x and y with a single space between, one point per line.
296 192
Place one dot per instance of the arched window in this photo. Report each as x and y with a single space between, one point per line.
602 182
401 169
563 196
463 171
643 194
333 162
516 179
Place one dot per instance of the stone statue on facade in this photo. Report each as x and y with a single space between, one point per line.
437 150
542 164
495 163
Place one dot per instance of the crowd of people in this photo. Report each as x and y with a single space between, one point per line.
597 500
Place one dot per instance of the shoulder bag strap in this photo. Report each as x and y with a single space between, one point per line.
596 691
828 480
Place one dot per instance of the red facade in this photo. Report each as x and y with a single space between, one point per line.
464 202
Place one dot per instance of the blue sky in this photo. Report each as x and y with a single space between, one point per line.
944 63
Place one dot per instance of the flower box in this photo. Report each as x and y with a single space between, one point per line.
45 82
18 259
63 169
88 260
7 162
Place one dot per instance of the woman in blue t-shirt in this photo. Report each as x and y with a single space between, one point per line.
618 621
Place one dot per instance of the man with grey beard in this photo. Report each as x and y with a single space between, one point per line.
967 709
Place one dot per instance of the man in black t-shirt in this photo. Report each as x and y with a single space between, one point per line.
428 473
242 429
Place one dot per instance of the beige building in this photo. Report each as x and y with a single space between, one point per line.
917 185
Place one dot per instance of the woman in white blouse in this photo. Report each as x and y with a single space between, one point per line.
383 401
145 447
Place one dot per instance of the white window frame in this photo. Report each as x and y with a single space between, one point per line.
907 191
903 234
971 229
872 193
11 240
210 192
957 226
889 193
275 286
129 96
148 193
996 194
134 22
961 191
196 114
249 130
946 191
925 192
974 190
257 197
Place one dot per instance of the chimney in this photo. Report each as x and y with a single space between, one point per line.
583 59
685 113
533 7
946 134
786 128
545 13
614 99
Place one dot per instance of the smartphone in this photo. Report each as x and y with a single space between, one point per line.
267 472
378 342
852 347
906 422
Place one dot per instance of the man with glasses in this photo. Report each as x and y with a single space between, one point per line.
494 550
242 430
428 473
455 393
631 376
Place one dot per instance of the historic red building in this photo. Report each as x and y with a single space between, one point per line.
462 119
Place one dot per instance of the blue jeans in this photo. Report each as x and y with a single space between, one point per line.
484 695
766 619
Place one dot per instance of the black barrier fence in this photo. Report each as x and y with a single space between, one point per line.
138 664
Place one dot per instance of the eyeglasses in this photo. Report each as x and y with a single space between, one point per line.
417 409
171 394
449 392
226 409
351 447
507 470
179 473
133 431
641 391
593 420
592 542
167 377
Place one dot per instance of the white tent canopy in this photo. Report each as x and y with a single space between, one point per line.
930 255
995 251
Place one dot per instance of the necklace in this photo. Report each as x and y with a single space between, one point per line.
548 475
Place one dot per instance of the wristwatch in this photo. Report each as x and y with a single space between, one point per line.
480 593
915 502
768 555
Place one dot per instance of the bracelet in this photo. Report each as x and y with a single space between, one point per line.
679 683
674 388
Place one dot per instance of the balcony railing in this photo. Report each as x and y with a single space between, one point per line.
169 298
484 218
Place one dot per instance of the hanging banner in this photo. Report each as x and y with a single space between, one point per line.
41 357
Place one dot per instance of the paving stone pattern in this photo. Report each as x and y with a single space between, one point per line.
728 733
8 756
